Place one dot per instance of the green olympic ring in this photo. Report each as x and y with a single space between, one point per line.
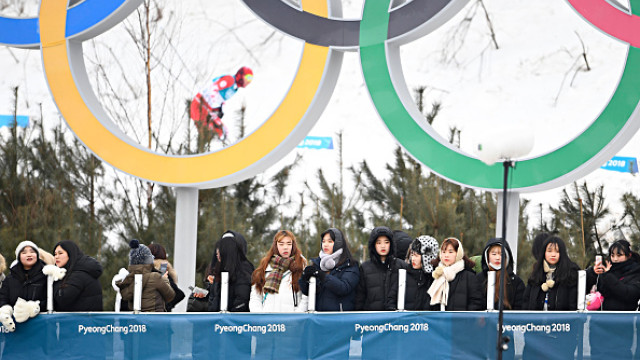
614 127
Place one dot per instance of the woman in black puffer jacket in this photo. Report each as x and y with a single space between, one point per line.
25 279
79 289
378 285
619 284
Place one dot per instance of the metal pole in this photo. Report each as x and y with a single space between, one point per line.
402 287
500 341
137 293
312 294
49 294
185 240
224 292
491 289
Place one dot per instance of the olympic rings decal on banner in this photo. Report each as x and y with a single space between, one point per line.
377 37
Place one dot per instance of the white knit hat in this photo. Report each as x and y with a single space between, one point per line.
24 244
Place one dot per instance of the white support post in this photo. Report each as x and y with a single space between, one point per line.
185 240
137 293
224 292
582 289
117 305
402 288
513 214
311 305
491 289
49 294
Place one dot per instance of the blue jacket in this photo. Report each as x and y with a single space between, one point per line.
337 292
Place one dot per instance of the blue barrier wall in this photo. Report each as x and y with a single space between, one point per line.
378 335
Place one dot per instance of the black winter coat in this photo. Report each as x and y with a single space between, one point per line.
464 293
620 286
378 284
337 292
514 288
79 289
417 285
29 285
239 290
562 297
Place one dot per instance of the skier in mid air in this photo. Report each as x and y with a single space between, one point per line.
206 106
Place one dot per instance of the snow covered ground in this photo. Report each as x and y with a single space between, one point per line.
535 76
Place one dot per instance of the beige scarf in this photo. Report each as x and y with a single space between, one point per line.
439 290
549 272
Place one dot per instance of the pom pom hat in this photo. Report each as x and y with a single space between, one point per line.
139 254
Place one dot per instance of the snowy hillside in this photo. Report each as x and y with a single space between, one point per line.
536 75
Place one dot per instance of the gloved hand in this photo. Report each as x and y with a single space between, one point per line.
6 313
320 274
119 277
56 272
309 271
23 310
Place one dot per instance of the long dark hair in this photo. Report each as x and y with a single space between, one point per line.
566 270
230 258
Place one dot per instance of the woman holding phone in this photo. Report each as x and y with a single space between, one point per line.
162 264
619 283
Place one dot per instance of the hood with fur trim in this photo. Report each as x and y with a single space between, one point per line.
375 234
485 255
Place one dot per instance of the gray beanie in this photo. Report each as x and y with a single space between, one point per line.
139 254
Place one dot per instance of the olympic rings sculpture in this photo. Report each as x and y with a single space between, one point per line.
377 37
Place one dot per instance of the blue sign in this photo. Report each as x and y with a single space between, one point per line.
317 142
7 120
356 335
622 164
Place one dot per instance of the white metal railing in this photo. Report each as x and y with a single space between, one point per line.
137 293
224 292
402 288
582 289
491 289
311 306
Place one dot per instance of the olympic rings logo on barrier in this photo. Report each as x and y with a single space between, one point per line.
377 37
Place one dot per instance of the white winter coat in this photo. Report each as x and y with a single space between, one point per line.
277 303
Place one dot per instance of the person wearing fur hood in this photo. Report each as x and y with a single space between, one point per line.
378 285
514 286
336 272
156 290
422 252
24 291
454 286
274 283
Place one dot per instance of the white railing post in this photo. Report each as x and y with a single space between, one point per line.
49 294
582 289
491 289
311 305
137 293
402 288
224 293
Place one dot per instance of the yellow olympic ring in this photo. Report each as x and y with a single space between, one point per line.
287 126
